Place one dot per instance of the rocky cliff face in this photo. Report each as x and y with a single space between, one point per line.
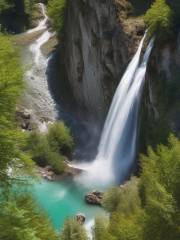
100 39
161 101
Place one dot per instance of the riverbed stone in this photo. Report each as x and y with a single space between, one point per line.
46 173
94 198
81 218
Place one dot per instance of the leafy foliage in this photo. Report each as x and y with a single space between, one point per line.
59 138
19 10
100 231
160 191
10 89
19 216
20 219
159 19
124 199
148 208
5 5
73 231
50 148
56 11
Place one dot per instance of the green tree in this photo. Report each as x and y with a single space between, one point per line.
160 194
124 205
100 231
11 86
159 19
123 199
21 219
38 147
51 147
147 208
19 216
60 138
73 230
18 10
5 5
56 11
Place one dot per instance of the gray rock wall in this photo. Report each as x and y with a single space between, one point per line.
99 42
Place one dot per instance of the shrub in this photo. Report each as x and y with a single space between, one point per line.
39 148
125 199
56 161
100 230
56 11
48 149
43 154
21 219
73 230
60 139
159 19
11 86
160 191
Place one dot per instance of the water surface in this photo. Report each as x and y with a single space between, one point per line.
64 199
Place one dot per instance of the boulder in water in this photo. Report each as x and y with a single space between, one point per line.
81 218
94 198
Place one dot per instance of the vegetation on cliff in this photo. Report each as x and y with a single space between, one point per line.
56 11
18 10
159 19
51 147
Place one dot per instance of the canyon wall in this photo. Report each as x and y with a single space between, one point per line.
100 39
161 98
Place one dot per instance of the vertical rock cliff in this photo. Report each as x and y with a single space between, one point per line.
161 102
100 39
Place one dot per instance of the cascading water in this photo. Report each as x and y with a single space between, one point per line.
117 148
38 99
42 23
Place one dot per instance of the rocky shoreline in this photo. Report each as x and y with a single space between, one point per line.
48 174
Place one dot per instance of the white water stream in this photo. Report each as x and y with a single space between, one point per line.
42 23
38 99
117 149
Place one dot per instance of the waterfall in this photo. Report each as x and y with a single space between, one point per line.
38 99
117 149
42 23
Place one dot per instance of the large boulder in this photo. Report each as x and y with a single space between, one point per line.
94 198
81 218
